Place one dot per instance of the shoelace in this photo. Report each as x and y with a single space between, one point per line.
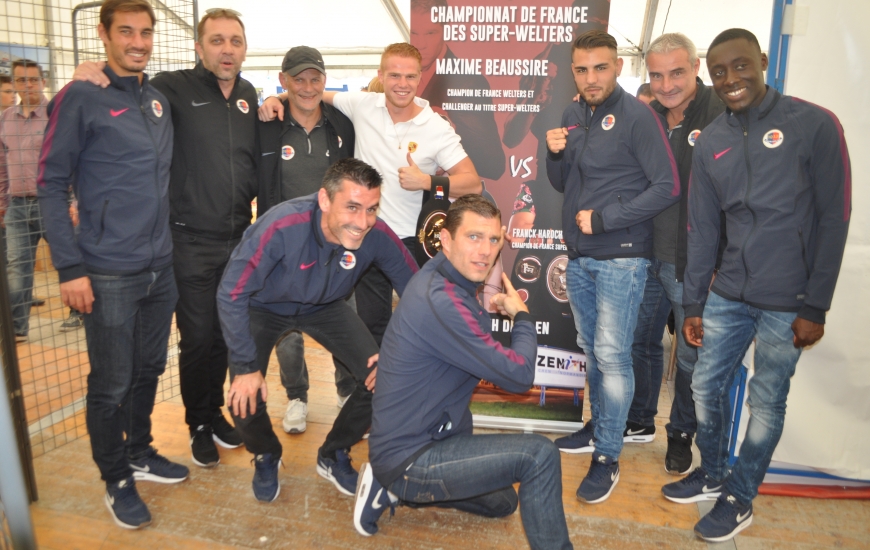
599 472
583 432
724 510
697 476
344 467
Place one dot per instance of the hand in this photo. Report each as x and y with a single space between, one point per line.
806 333
242 397
371 378
508 302
412 179
577 98
92 71
584 221
693 331
557 139
270 108
74 214
78 294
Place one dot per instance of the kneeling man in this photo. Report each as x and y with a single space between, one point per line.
293 270
436 349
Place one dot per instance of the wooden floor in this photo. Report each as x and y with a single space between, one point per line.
215 508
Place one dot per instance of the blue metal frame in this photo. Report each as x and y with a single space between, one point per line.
778 50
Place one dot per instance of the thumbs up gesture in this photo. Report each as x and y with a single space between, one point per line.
412 179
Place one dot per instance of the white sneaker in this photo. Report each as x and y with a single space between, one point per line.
294 418
341 400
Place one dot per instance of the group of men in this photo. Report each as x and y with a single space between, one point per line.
165 170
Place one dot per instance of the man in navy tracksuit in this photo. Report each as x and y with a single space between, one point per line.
114 146
293 270
778 167
437 347
612 161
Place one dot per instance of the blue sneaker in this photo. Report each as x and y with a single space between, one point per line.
338 471
578 442
727 518
599 482
695 487
151 466
124 504
265 484
371 499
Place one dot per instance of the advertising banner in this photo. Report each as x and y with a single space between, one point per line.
500 73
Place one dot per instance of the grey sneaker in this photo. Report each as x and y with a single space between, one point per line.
73 322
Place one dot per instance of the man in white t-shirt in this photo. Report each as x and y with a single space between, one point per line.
407 142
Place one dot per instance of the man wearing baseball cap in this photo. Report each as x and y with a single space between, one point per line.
296 153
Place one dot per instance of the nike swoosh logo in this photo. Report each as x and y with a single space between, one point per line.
717 155
146 469
195 104
613 476
740 517
304 266
634 432
118 113
269 153
706 489
376 504
111 500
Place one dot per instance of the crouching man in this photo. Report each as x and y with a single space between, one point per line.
436 349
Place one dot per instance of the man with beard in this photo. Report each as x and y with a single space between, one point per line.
612 161
294 270
436 350
212 184
779 168
688 107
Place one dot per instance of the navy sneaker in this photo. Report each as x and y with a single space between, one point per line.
678 460
223 433
371 501
124 504
695 487
727 518
578 442
338 471
602 477
638 433
151 466
265 484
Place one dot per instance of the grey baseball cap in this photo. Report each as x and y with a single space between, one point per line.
300 58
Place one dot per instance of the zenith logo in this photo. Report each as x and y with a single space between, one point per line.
306 266
118 113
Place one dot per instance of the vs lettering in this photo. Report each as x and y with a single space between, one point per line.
522 164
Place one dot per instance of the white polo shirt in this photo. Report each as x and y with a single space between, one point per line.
429 138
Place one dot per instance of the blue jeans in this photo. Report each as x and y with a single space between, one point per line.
127 334
662 294
23 231
729 328
605 296
476 473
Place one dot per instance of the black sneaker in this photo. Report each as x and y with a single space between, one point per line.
202 447
638 433
578 442
151 466
602 477
695 487
224 434
371 500
678 460
127 509
727 518
266 486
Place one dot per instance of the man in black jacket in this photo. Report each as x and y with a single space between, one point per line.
295 155
213 180
688 106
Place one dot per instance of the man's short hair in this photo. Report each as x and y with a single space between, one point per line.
644 89
110 7
734 34
590 40
219 13
26 63
351 169
671 41
401 49
477 204
5 79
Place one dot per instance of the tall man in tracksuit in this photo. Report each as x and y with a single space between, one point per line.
293 270
778 167
212 183
612 161
687 106
114 147
295 154
437 348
